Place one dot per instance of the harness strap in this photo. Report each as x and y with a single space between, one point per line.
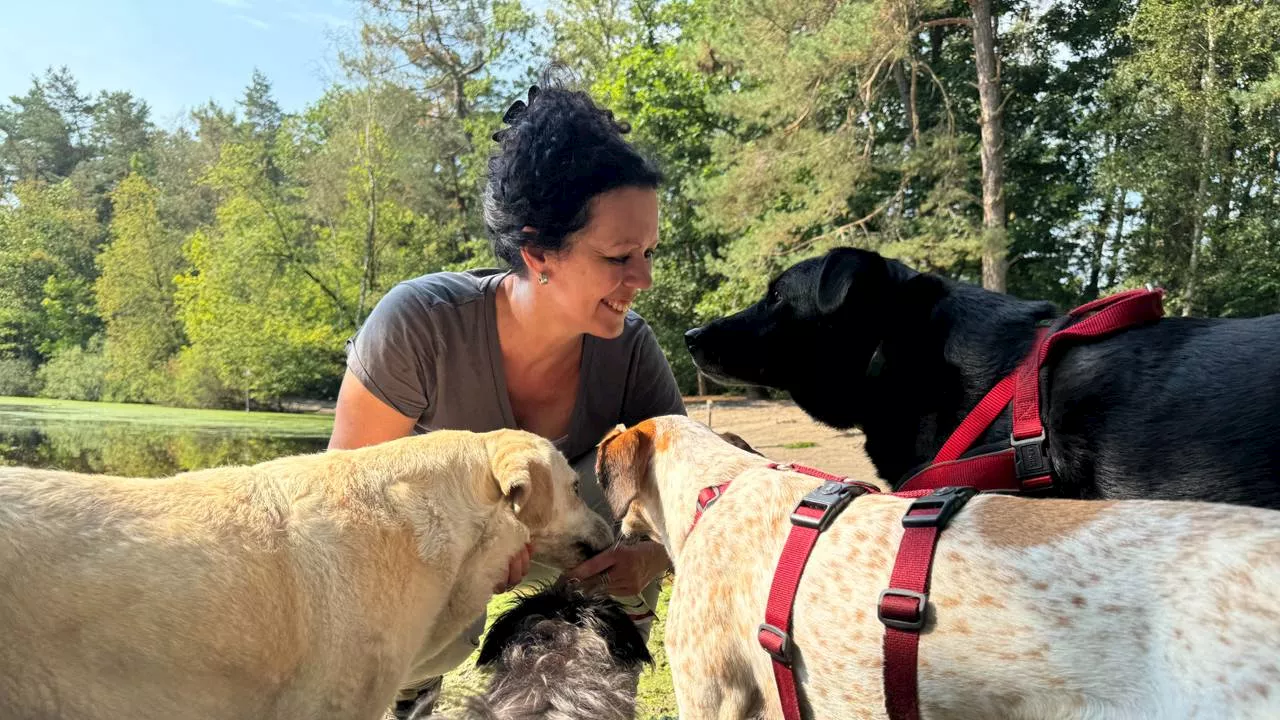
1025 465
706 498
811 516
903 605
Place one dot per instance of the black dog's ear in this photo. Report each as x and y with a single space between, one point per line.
620 633
506 629
845 268
841 268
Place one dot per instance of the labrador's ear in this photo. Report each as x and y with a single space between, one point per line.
622 465
520 466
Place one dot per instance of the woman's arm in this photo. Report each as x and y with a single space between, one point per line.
362 419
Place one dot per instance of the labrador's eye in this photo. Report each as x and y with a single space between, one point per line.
575 487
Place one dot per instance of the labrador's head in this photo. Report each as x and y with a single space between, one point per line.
535 481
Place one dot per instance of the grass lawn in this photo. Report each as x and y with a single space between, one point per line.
265 423
656 699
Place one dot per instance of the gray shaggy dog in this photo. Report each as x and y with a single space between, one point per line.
561 654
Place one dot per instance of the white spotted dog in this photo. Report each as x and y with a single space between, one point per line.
1037 608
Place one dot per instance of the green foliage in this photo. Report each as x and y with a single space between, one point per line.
18 378
48 241
74 374
228 259
1199 147
136 294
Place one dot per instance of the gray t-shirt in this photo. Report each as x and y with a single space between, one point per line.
430 350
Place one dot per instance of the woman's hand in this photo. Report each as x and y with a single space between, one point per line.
517 568
625 569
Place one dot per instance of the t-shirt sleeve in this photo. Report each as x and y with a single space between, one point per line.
651 386
391 353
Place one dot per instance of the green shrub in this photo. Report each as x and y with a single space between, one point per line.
18 377
74 374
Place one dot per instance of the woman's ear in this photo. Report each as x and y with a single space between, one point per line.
535 258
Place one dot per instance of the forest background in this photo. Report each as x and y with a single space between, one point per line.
1057 150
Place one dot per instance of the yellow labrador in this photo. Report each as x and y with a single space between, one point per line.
1037 608
296 588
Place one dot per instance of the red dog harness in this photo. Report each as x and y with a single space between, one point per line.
902 604
940 490
1025 464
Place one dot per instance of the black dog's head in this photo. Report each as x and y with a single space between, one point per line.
829 310
539 619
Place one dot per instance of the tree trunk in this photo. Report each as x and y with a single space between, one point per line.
907 94
995 244
1092 290
1202 185
1113 267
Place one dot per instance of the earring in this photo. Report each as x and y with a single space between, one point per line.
542 278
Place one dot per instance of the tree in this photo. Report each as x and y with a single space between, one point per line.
449 52
45 132
135 293
369 235
1198 150
48 241
995 263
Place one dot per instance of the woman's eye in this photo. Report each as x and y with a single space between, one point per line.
622 260
648 254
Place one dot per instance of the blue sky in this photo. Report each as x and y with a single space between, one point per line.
177 54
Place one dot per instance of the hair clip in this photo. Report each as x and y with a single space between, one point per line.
512 116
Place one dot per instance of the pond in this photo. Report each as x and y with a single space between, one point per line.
145 440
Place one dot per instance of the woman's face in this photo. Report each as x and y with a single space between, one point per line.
606 264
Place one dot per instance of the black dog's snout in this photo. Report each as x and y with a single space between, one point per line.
691 337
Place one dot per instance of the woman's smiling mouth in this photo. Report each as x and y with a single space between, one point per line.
617 306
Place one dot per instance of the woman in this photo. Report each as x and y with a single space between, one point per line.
549 346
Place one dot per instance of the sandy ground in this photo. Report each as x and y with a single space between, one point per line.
783 432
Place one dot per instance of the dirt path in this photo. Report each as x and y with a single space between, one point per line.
783 432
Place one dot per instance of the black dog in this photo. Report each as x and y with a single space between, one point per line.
1184 408
561 653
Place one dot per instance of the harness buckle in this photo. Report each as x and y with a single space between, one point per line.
912 621
783 652
948 501
1030 461
830 497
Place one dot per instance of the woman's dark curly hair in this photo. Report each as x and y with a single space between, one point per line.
560 151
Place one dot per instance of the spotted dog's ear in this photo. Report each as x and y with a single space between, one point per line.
622 464
619 428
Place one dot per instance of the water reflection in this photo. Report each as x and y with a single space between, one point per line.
126 448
